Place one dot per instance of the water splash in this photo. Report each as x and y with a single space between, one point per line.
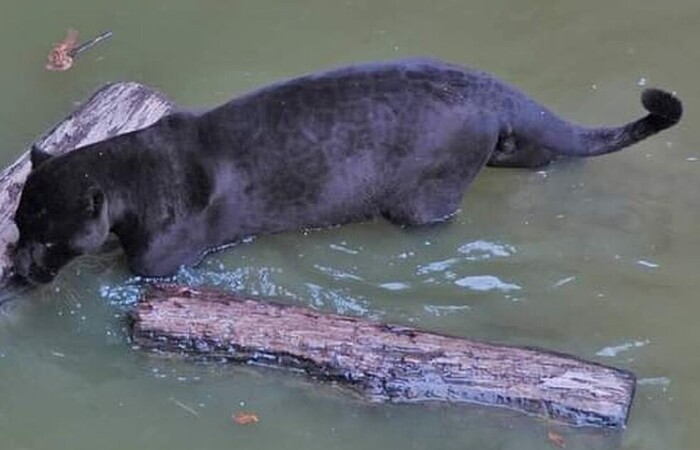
563 281
341 302
648 264
395 286
481 250
442 310
337 274
121 295
658 381
483 283
342 247
613 351
437 266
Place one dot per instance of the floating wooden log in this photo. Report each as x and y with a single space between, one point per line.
114 109
384 363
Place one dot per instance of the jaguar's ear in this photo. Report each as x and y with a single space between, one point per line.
38 156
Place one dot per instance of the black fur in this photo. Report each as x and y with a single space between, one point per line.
402 140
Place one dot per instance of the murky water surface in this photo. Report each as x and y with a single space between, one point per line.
598 259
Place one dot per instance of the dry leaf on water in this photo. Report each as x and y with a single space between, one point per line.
59 58
245 418
556 439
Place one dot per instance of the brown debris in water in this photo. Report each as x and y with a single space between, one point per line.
245 418
556 439
60 58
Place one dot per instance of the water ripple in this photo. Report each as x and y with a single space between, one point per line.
437 266
337 274
342 303
395 286
441 310
486 283
342 247
480 250
613 351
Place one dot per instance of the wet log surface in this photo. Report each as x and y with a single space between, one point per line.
384 363
114 109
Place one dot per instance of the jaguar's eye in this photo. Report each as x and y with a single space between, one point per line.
49 245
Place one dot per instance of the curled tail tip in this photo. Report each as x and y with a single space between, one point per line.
663 105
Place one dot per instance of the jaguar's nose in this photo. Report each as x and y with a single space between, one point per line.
40 275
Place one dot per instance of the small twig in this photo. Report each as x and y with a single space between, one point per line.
89 44
189 409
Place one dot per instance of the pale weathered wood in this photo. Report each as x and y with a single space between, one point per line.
115 109
382 362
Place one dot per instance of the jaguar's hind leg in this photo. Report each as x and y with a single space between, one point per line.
434 192
430 201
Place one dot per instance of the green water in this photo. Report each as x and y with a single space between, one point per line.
598 259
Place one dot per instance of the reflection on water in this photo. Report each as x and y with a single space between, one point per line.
437 266
486 283
598 258
395 286
479 250
613 351
444 310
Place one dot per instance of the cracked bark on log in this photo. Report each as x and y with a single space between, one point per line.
384 363
114 109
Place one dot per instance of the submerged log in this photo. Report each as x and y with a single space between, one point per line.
114 109
384 363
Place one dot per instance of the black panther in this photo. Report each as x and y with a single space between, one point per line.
401 140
